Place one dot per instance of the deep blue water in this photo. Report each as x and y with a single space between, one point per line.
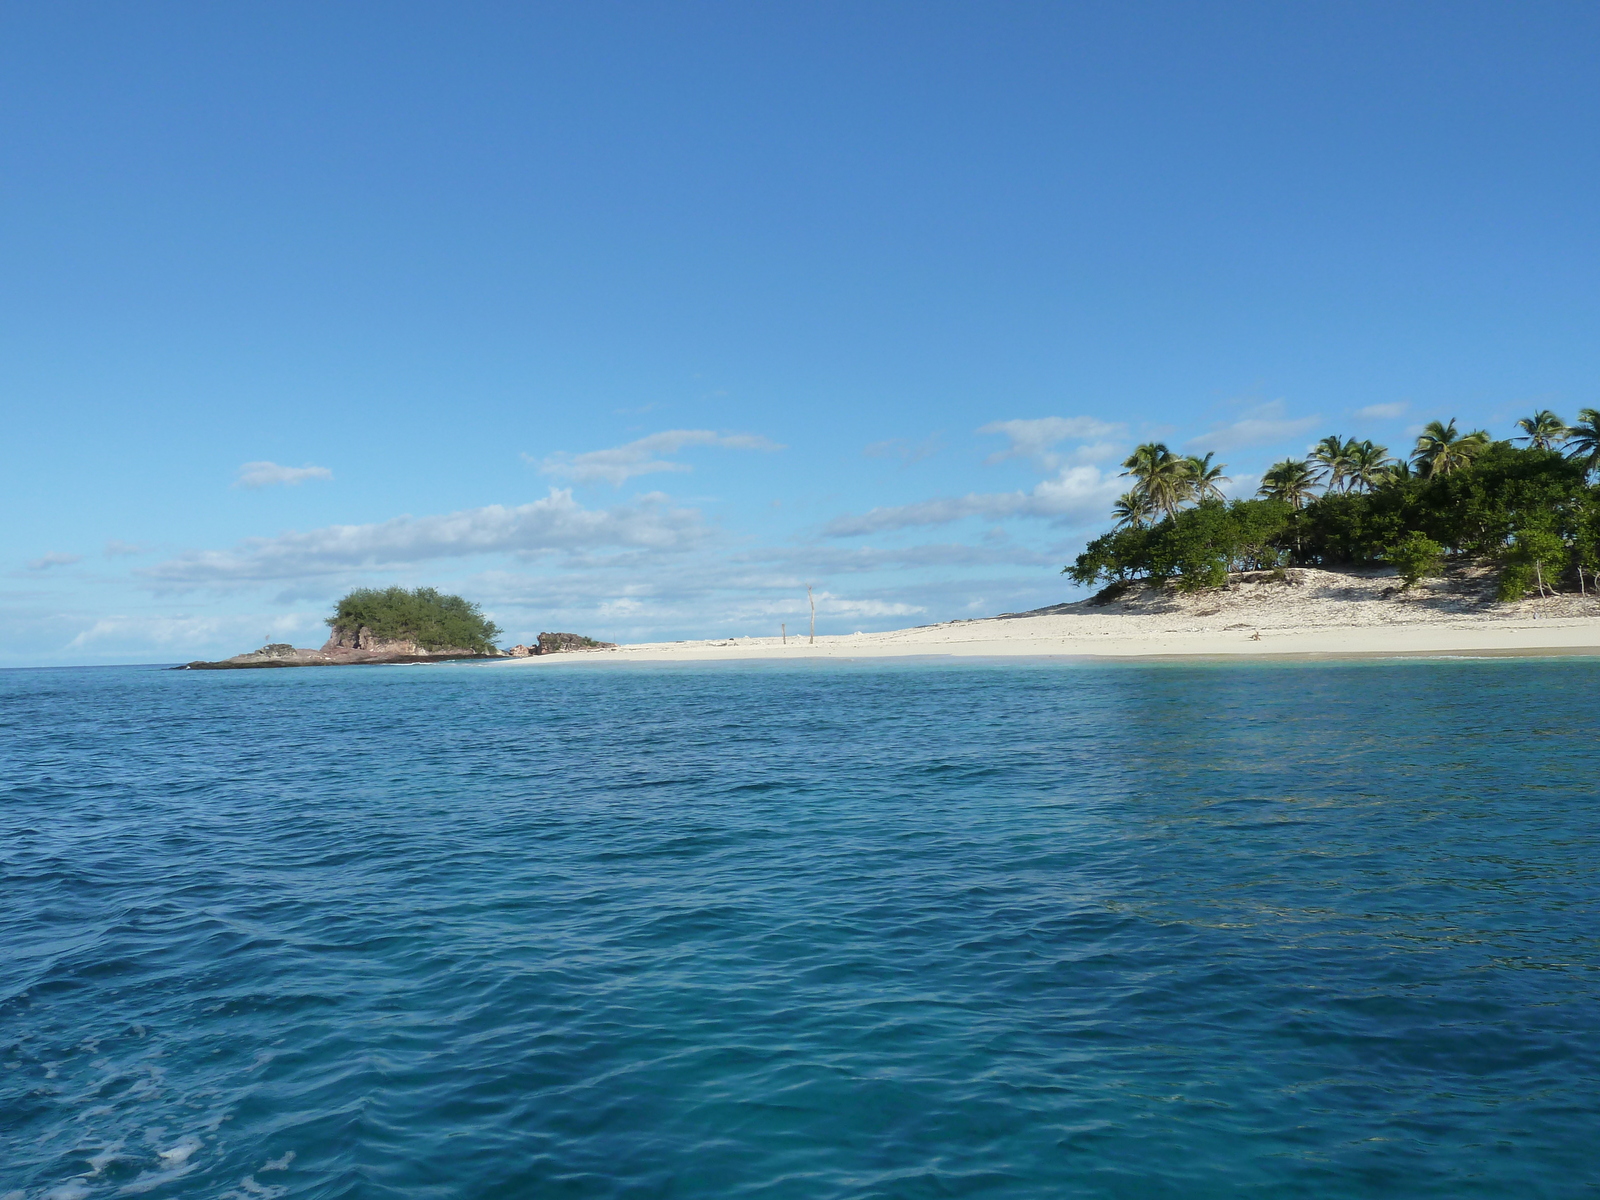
850 930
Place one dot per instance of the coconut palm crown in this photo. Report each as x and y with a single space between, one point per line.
1291 480
1542 431
1583 439
1133 510
1205 480
1441 449
1161 476
1332 454
1367 464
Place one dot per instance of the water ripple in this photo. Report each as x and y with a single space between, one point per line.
850 931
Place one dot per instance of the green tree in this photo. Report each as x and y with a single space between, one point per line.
1586 541
1536 559
1196 548
1414 556
426 616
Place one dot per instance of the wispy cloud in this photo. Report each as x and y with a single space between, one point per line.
697 598
621 463
1077 493
1241 486
46 561
1384 412
118 549
556 522
1036 438
1260 426
194 631
907 451
831 604
266 474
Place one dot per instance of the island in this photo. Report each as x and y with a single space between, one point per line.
373 626
1468 544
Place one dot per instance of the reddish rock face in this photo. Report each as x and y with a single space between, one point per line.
362 643
364 640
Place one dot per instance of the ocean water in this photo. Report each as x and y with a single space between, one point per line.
810 931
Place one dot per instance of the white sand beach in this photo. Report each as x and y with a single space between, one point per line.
1302 611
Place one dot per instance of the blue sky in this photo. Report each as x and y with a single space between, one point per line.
633 320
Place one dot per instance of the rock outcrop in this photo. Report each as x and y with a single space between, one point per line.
562 643
336 653
363 641
559 643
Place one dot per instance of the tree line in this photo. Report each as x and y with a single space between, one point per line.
1528 508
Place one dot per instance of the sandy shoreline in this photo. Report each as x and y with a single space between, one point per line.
1303 613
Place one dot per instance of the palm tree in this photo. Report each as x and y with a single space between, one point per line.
1133 510
1583 439
1395 470
1440 449
1333 455
1161 476
1367 465
1290 480
1542 430
1205 481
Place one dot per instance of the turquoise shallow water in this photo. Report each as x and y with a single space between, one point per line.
886 930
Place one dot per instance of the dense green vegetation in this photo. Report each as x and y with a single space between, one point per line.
1529 510
432 620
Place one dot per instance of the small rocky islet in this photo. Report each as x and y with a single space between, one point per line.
394 625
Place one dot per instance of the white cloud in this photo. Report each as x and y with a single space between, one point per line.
556 522
119 549
1384 412
1262 425
833 605
687 598
45 562
1098 452
1242 486
1077 493
265 474
1035 438
188 630
621 463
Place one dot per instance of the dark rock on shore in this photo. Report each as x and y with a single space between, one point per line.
559 643
374 652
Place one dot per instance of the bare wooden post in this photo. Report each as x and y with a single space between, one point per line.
1538 573
785 628
813 600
